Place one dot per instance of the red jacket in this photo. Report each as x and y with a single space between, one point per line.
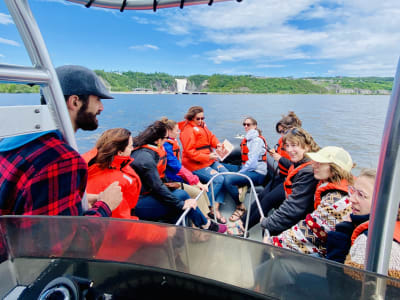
99 179
197 143
122 239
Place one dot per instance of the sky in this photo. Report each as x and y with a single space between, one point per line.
268 38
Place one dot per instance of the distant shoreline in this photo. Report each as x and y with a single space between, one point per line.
217 93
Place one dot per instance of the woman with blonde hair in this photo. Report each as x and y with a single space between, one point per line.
332 167
294 198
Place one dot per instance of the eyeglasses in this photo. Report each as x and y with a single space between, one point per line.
198 119
247 124
357 193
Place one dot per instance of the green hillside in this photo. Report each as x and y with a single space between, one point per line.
217 83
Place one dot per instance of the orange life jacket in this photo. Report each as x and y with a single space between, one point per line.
197 143
364 226
245 150
280 150
341 186
287 185
162 162
175 147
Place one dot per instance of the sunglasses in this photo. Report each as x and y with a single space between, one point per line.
247 124
357 193
283 131
295 131
198 119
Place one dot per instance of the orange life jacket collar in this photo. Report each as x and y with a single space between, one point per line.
364 226
328 186
175 147
162 161
287 185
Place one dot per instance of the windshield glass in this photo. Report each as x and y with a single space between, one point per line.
38 249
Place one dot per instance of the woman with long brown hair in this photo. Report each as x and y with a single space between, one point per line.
108 162
156 201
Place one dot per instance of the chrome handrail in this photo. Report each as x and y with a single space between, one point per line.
210 182
385 204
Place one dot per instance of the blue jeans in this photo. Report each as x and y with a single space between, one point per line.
151 209
205 175
232 182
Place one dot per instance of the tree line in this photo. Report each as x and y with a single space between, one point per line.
217 83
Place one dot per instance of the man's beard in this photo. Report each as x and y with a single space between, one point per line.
86 120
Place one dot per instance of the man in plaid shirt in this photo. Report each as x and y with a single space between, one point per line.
40 174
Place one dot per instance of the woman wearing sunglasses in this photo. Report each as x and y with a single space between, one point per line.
294 198
348 243
254 165
198 156
332 167
156 201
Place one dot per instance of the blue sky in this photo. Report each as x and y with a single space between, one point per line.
271 38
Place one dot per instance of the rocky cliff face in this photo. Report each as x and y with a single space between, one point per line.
192 87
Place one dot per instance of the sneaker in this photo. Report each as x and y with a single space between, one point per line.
221 228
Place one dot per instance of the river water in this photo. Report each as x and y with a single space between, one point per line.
352 122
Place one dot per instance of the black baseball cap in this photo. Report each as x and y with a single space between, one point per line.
78 80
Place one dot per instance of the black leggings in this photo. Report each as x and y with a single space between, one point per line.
268 200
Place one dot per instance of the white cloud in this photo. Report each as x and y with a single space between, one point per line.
9 42
267 31
143 21
5 19
144 47
266 66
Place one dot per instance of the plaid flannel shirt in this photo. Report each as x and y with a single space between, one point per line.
44 177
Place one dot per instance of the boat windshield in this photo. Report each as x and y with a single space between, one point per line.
127 257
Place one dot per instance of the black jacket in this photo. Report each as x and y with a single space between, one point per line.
297 205
145 164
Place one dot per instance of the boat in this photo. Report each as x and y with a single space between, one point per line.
44 257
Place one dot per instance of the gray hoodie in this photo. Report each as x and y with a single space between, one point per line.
256 150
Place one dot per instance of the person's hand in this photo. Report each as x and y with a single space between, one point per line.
171 231
190 203
275 156
112 195
220 146
267 240
92 198
213 156
203 187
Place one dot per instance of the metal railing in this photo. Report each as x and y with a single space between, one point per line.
182 221
385 204
42 73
